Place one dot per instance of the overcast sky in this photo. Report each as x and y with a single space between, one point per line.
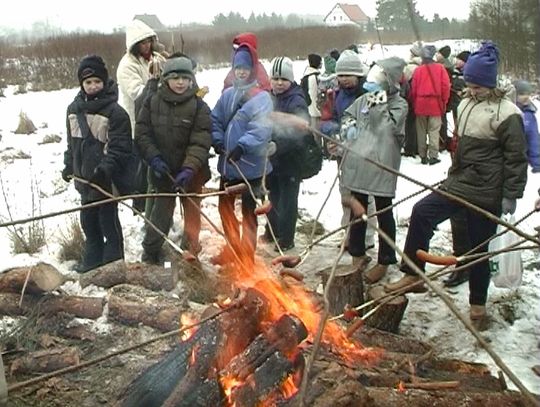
104 15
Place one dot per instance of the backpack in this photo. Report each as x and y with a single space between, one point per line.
311 158
304 84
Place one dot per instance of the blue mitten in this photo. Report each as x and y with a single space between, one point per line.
183 178
159 166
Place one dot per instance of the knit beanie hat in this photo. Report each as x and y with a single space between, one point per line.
242 57
428 52
175 67
349 63
416 49
481 67
445 51
282 67
463 55
314 60
92 66
523 87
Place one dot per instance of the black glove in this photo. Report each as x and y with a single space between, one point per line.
67 172
235 154
219 149
100 177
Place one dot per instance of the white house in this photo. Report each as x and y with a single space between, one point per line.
344 14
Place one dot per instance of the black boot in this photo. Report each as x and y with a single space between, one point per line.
457 278
151 258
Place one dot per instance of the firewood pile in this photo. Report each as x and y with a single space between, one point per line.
249 348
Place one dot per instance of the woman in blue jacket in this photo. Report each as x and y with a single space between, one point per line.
241 132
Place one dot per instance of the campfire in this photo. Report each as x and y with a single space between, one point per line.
251 353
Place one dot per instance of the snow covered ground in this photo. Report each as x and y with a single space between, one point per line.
427 318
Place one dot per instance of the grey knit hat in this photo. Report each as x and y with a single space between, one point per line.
174 67
416 49
349 63
282 67
523 87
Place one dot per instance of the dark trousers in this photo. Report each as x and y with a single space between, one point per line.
445 139
357 236
410 148
161 216
103 232
284 214
243 244
435 209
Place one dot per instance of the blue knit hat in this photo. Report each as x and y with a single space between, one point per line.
481 67
242 57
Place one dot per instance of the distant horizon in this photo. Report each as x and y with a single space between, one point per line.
61 14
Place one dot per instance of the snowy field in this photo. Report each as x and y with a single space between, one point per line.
427 318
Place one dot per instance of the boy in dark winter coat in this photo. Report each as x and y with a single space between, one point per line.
489 169
99 145
284 180
241 131
523 101
173 134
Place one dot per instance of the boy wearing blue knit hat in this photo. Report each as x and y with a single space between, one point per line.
489 170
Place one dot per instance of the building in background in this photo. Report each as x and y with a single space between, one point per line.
346 14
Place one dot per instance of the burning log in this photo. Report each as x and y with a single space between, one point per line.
46 360
39 279
347 288
389 315
177 377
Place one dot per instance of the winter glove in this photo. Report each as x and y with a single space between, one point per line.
508 206
100 177
235 154
348 128
219 149
159 167
67 172
376 98
183 178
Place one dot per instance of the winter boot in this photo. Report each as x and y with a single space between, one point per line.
456 278
404 282
375 273
478 316
150 258
360 262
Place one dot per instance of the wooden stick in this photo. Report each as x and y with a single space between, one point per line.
432 385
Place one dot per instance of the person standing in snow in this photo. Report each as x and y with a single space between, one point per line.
241 132
98 147
311 75
415 60
430 91
248 39
523 100
140 63
374 127
173 135
284 180
489 170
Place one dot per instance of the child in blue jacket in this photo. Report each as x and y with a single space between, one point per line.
523 101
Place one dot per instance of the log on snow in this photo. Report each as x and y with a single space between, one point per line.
42 278
81 307
46 360
132 306
105 276
347 288
389 315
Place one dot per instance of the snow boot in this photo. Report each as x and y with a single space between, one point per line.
478 316
406 280
375 273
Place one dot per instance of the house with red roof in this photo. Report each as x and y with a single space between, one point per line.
346 14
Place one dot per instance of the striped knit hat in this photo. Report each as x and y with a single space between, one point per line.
282 67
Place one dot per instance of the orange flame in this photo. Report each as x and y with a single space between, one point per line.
229 383
289 388
186 324
401 387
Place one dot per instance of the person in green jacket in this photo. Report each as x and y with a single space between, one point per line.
173 135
